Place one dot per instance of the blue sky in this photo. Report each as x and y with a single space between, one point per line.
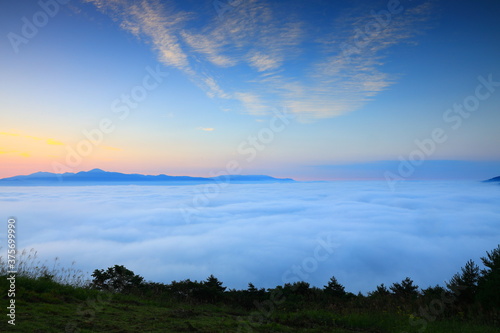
360 83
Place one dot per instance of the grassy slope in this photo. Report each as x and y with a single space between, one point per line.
90 311
45 306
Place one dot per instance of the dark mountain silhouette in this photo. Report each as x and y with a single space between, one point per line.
496 179
101 177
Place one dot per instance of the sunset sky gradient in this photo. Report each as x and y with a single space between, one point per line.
303 89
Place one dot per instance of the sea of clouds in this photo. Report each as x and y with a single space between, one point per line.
268 234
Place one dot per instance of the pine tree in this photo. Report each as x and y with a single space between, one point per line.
251 288
380 291
405 289
334 288
464 285
489 282
214 284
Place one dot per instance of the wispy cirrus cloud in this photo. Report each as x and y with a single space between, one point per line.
14 152
54 142
48 141
152 20
26 145
351 71
274 57
263 62
209 47
161 25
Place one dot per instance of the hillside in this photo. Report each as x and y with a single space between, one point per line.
117 300
45 306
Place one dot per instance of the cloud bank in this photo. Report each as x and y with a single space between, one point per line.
266 234
317 69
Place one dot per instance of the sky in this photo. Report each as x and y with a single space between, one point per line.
267 234
311 90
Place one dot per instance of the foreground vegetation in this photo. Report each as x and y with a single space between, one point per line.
118 300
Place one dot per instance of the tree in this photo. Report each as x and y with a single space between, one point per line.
214 284
405 289
489 282
251 288
434 292
185 290
380 291
116 279
212 290
297 288
464 285
491 261
334 288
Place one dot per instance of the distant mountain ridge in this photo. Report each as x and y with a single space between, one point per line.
101 177
495 179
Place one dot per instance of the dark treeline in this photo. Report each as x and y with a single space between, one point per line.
472 293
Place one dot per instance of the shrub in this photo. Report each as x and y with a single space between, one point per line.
116 279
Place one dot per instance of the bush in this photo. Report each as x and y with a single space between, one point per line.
116 279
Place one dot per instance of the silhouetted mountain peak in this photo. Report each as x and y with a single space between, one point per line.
100 177
96 170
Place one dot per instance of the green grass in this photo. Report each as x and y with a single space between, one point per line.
41 308
43 305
